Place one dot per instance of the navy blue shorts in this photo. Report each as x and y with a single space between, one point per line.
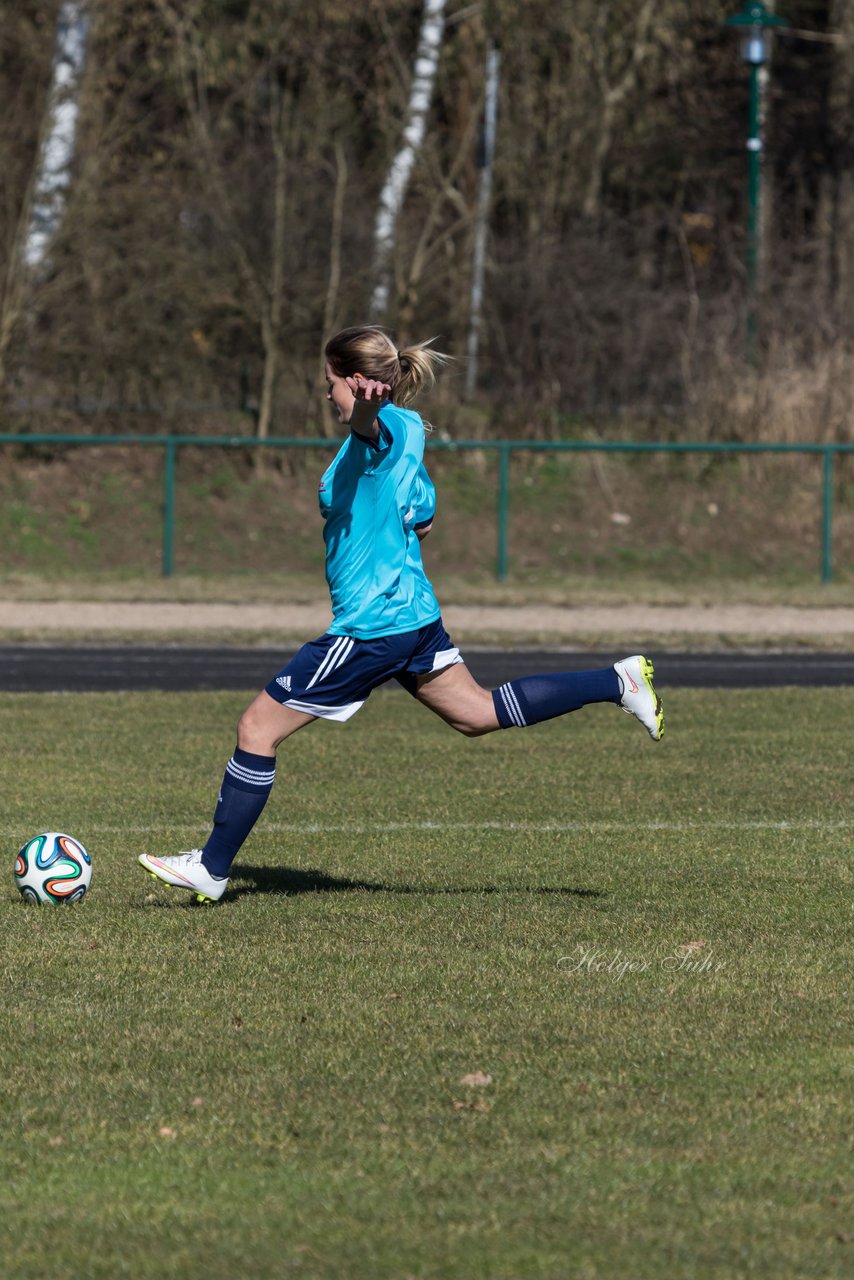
332 676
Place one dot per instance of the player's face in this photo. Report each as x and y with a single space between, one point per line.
339 394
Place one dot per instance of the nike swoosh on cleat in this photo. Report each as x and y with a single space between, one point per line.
170 871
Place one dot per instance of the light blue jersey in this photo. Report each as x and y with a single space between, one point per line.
373 496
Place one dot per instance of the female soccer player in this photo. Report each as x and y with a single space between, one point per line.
377 502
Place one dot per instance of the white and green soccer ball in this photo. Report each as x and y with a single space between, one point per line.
53 867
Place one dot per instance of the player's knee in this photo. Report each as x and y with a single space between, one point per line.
252 733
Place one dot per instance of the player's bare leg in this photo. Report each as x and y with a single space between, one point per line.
455 695
266 723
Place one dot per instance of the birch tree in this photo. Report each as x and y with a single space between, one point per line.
56 154
47 191
394 189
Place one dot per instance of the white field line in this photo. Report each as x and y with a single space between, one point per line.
535 828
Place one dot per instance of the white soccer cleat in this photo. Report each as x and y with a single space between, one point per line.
186 871
639 697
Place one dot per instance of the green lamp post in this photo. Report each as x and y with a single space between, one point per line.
753 22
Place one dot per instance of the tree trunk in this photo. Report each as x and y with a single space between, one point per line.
841 106
45 199
490 116
397 179
271 326
56 153
766 172
263 300
614 93
333 284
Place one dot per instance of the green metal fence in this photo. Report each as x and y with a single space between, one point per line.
170 444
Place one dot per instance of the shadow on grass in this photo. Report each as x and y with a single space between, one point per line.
289 880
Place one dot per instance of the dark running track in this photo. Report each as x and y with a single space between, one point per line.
34 668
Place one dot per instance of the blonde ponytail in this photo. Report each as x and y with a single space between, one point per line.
370 350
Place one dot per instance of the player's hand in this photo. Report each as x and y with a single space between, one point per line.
369 390
369 393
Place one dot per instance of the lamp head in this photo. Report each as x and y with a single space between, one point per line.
754 46
754 21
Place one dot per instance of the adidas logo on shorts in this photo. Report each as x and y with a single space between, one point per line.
285 682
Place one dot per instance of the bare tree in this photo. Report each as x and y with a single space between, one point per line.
224 211
841 237
397 180
47 190
616 50
56 153
487 159
333 284
263 294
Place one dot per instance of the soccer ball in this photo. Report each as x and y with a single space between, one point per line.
53 868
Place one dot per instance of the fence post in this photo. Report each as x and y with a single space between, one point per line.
168 506
503 505
827 514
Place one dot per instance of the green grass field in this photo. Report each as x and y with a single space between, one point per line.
641 952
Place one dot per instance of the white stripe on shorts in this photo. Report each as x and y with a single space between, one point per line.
445 658
342 712
338 653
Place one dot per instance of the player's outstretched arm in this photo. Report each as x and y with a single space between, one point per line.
369 394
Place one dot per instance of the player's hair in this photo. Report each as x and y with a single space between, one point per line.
370 350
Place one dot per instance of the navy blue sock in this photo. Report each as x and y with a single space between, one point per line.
247 783
531 699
